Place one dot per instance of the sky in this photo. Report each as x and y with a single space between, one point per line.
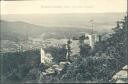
62 6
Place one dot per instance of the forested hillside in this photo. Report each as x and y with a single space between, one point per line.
98 66
108 57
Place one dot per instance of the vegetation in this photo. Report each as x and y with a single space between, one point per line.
107 58
99 65
18 64
58 54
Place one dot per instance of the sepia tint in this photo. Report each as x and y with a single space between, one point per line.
63 41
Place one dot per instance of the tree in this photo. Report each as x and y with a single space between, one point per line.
69 50
84 48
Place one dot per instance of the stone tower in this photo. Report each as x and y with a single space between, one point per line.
42 52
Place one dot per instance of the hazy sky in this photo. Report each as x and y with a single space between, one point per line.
62 6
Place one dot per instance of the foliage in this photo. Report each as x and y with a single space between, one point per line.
110 59
16 65
58 54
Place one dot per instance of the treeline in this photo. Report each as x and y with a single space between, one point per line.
17 64
107 58
99 65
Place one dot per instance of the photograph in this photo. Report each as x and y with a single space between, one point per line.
63 41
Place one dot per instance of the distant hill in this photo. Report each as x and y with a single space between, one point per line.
20 30
55 25
102 21
16 30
